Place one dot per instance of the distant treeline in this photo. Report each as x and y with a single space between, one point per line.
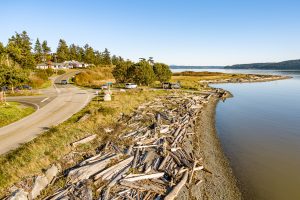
289 65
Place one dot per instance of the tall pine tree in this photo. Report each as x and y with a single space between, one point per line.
62 51
19 50
46 51
38 54
106 57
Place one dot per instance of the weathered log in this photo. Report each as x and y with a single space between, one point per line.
105 194
135 160
129 150
144 187
164 129
182 170
84 140
145 146
145 176
192 173
129 134
96 158
176 189
113 169
86 171
165 160
119 176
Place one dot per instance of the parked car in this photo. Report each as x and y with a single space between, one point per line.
23 87
175 86
168 85
4 88
64 82
130 85
104 87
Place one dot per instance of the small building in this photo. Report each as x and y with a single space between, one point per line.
64 65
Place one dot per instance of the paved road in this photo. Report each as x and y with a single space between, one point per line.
55 105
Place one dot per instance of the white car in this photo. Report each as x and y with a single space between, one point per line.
104 87
130 85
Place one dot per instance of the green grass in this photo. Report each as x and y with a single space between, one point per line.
31 158
12 112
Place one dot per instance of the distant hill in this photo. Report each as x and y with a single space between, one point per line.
195 67
290 64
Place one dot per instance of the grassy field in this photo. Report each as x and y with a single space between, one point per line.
51 146
190 80
12 112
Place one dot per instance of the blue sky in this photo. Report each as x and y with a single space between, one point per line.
186 32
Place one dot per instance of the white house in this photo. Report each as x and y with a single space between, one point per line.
65 65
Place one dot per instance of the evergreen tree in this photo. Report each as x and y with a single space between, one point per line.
89 56
19 49
98 58
73 52
46 51
38 51
80 53
106 57
62 51
151 61
162 72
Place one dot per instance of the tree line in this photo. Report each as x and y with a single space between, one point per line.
20 51
19 57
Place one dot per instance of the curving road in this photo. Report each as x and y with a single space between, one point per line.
54 106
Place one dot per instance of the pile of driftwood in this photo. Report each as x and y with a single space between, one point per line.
153 164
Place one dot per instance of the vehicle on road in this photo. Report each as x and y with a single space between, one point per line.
130 85
24 87
64 82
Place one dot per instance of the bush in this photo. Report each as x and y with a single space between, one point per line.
94 77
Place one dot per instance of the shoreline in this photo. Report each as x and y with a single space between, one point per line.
221 182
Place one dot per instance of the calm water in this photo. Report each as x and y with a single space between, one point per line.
260 133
